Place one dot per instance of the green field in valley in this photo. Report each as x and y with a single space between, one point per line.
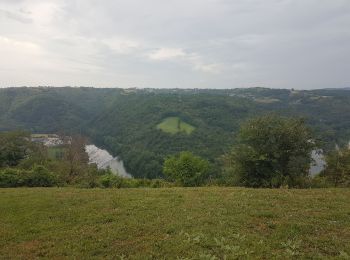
174 223
55 152
173 125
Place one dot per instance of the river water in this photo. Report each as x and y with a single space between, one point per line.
319 165
103 159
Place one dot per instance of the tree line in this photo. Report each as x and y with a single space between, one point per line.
271 151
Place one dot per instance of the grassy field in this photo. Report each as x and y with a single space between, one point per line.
173 125
55 152
174 223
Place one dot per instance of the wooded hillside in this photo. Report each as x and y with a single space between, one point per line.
125 121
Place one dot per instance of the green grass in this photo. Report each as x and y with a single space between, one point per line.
174 223
55 152
173 125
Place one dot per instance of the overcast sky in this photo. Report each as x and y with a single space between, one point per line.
300 44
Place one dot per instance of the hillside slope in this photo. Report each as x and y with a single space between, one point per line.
125 121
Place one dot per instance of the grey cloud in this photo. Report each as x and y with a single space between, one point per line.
15 16
183 43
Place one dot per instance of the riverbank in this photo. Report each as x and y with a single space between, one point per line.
194 223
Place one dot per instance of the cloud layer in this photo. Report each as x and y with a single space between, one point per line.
182 43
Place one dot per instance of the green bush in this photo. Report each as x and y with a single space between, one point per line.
9 178
186 169
110 180
39 176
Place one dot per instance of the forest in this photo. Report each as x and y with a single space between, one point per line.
146 126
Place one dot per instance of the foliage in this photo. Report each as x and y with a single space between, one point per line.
38 176
273 151
32 164
41 167
186 169
14 147
125 121
75 156
110 180
56 152
337 171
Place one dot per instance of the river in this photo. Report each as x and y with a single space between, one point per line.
103 159
319 165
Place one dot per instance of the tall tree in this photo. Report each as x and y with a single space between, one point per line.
271 151
14 147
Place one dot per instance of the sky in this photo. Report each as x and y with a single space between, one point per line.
301 44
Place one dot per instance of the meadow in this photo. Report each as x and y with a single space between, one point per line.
174 223
173 125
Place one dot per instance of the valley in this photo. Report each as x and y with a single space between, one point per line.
144 126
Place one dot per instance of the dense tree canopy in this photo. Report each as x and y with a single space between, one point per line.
14 147
272 151
125 121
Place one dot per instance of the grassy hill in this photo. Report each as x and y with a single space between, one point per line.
175 223
174 125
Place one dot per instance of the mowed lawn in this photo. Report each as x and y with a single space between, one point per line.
174 223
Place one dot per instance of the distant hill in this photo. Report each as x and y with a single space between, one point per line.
124 121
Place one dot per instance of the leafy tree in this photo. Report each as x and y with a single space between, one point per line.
337 170
271 151
14 147
186 168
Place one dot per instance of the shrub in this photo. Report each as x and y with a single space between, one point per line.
186 169
110 180
10 178
39 176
